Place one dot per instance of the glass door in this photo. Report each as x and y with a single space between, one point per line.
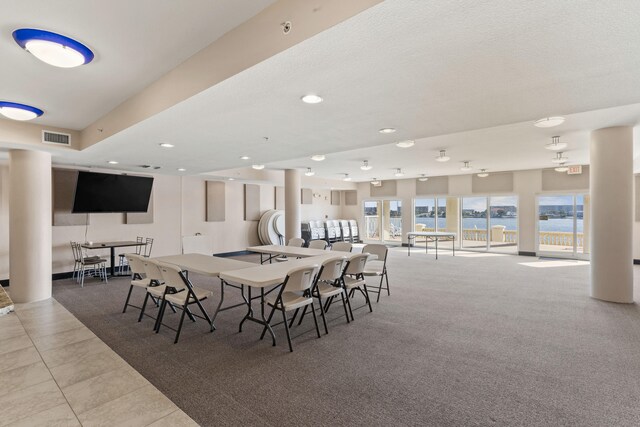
474 223
563 225
503 224
383 221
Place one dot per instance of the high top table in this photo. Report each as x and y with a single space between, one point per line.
112 246
431 236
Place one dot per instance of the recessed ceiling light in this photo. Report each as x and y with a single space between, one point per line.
555 144
166 145
318 157
405 144
311 99
365 166
559 158
375 181
399 172
245 158
21 112
181 170
549 122
346 177
112 162
54 49
309 172
258 167
562 168
483 173
423 178
442 157
387 130
466 166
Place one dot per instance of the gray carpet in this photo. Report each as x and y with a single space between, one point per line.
470 340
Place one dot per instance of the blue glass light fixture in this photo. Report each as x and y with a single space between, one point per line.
22 112
54 49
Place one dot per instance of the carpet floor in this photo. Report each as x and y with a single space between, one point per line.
475 339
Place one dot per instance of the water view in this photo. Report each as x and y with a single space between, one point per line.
551 224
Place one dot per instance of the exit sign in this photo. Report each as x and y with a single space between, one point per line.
575 170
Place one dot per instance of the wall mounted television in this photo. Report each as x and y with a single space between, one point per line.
108 193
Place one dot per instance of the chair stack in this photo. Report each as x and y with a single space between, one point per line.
83 264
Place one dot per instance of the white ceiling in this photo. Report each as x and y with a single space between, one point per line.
426 68
135 43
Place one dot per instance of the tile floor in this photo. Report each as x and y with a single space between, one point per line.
55 371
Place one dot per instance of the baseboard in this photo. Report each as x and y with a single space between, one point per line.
236 253
55 276
526 253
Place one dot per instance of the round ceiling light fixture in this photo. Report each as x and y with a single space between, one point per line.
555 144
182 170
21 112
375 181
399 173
318 157
365 166
112 162
312 99
466 166
52 48
387 130
559 158
309 172
549 122
166 145
346 177
231 179
423 178
442 156
258 167
405 144
483 173
562 168
245 158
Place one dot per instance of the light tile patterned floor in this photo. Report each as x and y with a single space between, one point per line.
55 371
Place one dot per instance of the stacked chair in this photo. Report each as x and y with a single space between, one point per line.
94 265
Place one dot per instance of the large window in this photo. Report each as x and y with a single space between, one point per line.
436 214
490 223
563 228
383 220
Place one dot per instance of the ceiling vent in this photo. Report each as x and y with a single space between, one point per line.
57 138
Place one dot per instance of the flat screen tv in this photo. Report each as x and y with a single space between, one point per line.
103 192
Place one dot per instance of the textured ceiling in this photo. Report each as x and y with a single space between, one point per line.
426 68
135 43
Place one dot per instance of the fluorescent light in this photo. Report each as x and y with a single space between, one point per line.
112 162
549 122
405 144
166 145
365 166
318 157
346 177
466 166
442 157
559 158
309 172
423 178
245 158
399 172
387 130
258 167
21 112
182 170
555 144
311 99
52 48
483 173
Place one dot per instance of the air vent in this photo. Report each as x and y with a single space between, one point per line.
49 137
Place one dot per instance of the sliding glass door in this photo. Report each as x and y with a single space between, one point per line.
563 225
383 221
474 223
490 223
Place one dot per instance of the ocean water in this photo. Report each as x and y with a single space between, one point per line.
554 224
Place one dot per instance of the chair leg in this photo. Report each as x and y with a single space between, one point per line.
193 319
126 303
386 278
286 328
184 311
144 306
158 323
344 305
315 318
295 314
324 319
82 278
349 304
366 295
304 312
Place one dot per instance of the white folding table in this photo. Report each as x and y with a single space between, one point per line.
289 251
431 236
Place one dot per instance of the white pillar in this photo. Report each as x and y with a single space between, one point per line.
291 204
29 225
611 183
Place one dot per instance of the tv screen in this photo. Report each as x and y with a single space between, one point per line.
103 192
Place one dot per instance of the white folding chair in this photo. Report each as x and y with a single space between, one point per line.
377 267
318 244
295 242
138 278
342 246
353 279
